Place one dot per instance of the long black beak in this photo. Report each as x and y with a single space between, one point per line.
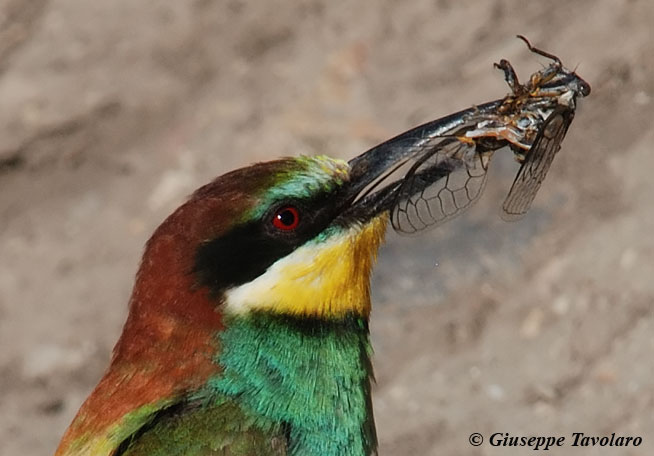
371 189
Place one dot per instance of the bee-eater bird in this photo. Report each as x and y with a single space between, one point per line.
247 331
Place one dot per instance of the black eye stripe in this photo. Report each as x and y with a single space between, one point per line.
238 257
246 251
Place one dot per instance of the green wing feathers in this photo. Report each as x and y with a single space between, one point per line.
203 429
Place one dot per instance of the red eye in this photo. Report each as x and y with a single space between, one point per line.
286 218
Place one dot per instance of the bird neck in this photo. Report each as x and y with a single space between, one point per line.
313 376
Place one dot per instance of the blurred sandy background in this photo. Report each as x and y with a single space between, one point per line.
112 111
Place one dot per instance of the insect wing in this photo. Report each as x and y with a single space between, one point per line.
439 186
536 164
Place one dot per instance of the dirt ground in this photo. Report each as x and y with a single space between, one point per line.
112 111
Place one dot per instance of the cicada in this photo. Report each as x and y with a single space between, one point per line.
448 158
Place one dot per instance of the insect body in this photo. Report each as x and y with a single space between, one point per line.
449 157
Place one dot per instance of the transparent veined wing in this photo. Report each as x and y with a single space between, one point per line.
440 185
537 162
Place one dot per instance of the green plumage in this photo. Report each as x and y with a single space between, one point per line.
288 387
300 178
203 429
313 376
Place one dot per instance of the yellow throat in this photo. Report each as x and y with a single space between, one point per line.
327 278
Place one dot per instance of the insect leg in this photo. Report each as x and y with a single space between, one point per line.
540 52
510 76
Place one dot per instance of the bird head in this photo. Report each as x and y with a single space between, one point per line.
295 237
291 236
